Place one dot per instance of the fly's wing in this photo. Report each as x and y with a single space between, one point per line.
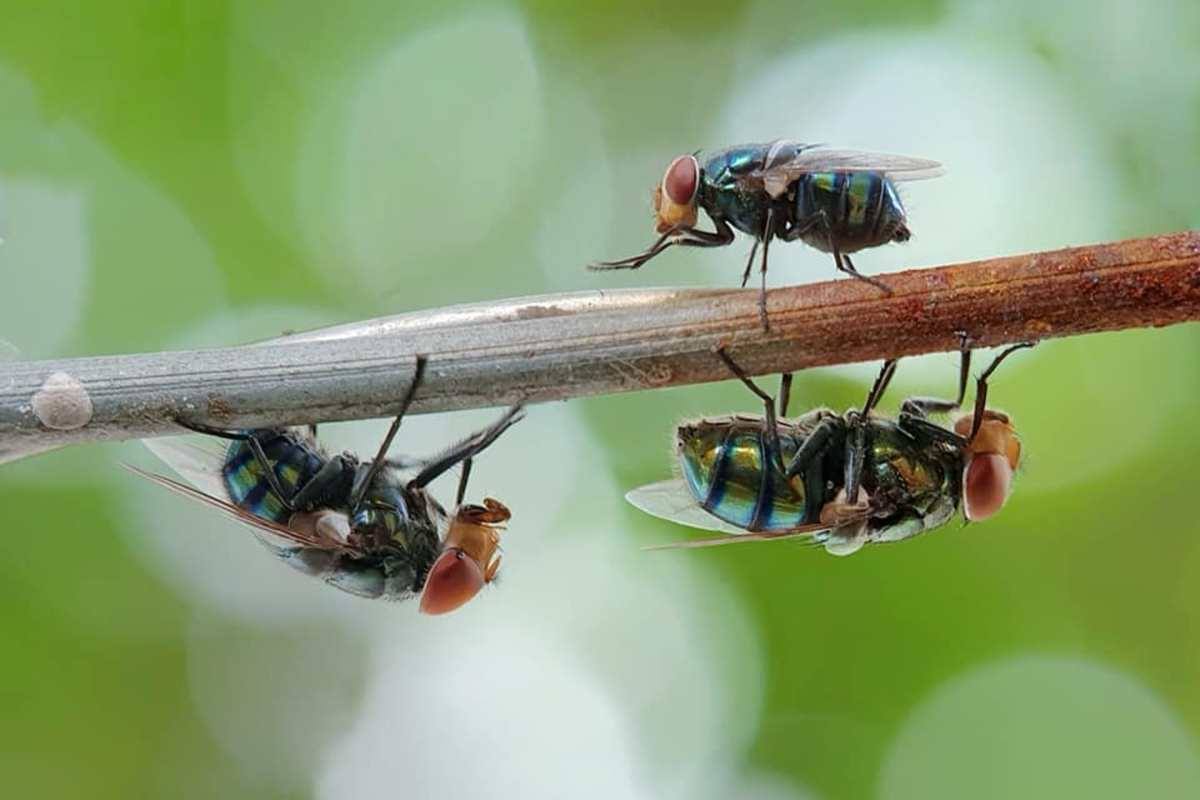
200 465
671 500
802 531
786 162
261 526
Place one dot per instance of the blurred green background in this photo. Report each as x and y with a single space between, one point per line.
186 174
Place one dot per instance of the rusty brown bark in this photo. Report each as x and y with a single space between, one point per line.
557 347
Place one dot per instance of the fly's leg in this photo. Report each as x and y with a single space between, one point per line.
839 513
914 411
749 263
633 262
856 441
259 455
821 220
925 406
924 430
880 386
856 453
768 234
684 237
847 266
770 424
785 393
335 473
809 461
364 479
466 449
196 427
981 385
462 482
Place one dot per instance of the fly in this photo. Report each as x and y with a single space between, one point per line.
843 479
355 524
838 201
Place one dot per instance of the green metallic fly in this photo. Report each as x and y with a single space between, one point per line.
353 523
845 480
838 201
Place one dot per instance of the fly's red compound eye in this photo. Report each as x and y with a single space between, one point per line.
986 483
681 180
453 580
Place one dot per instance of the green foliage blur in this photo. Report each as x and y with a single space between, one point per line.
218 160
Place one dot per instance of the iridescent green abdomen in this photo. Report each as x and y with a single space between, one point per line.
724 466
722 194
863 209
294 462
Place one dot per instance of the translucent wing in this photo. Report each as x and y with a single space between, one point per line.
200 465
804 531
671 500
260 525
901 168
787 161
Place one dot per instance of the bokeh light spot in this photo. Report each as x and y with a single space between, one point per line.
1039 726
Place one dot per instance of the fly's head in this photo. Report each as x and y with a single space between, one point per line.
675 197
470 557
992 456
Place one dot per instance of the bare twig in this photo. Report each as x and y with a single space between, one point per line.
563 346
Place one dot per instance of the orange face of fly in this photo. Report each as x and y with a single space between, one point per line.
675 196
992 457
470 557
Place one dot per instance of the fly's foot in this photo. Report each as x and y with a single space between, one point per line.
838 512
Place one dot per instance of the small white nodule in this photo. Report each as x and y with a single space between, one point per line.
62 404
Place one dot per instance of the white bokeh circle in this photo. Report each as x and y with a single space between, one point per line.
442 131
1041 726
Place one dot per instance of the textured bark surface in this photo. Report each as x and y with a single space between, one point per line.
555 347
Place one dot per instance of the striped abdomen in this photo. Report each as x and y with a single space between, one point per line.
724 465
863 209
294 463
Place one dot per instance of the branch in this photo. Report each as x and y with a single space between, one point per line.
556 347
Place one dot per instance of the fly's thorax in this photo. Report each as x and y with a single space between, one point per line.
914 484
370 578
393 579
385 513
726 168
863 209
906 471
723 193
936 512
